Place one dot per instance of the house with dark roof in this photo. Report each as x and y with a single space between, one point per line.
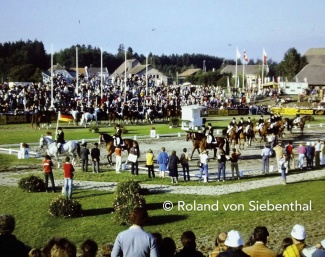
134 68
252 72
314 71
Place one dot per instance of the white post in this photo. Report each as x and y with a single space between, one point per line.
77 69
135 137
124 76
52 100
101 73
147 75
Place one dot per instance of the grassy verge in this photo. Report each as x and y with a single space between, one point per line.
35 225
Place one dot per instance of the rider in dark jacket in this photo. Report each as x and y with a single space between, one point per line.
60 139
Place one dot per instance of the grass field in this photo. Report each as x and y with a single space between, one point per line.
35 225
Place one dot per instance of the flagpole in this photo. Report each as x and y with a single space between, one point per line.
124 76
57 125
52 99
77 72
243 73
147 75
262 69
101 74
236 84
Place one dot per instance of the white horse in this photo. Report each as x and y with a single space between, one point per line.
74 114
70 147
87 117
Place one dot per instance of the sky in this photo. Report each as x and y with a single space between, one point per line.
212 27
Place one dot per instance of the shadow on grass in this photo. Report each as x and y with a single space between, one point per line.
306 181
79 194
165 219
97 212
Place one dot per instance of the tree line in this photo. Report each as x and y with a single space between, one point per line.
25 60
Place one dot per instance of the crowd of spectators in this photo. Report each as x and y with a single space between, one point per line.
135 241
30 97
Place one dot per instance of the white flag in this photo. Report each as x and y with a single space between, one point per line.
238 54
264 56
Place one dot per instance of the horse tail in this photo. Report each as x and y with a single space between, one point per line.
78 149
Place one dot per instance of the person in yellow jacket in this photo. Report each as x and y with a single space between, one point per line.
149 163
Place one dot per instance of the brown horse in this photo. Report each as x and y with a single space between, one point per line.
199 141
41 117
110 147
290 123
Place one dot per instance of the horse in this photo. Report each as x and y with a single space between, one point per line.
70 147
290 123
250 135
75 115
110 147
41 117
200 142
87 117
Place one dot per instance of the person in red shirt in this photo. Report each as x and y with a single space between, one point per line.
48 174
68 170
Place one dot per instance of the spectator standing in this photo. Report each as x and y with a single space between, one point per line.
118 158
309 156
68 171
301 155
323 153
173 161
221 164
266 153
168 247
149 163
133 158
48 173
259 248
278 149
162 161
10 246
135 241
84 153
234 157
318 149
283 163
184 159
290 155
95 158
298 235
204 166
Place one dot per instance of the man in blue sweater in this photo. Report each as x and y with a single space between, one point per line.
135 241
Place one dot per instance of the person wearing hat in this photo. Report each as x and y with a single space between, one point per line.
184 159
259 248
84 153
60 139
9 244
234 244
210 136
204 166
95 157
298 235
48 174
118 136
260 123
220 244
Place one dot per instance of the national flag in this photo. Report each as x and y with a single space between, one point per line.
264 56
245 56
65 117
238 54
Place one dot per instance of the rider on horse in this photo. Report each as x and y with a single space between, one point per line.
209 133
60 139
297 119
241 125
260 123
249 124
118 136
231 125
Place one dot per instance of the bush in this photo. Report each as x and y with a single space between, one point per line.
65 208
127 197
32 184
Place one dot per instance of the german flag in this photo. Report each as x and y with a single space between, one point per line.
65 117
